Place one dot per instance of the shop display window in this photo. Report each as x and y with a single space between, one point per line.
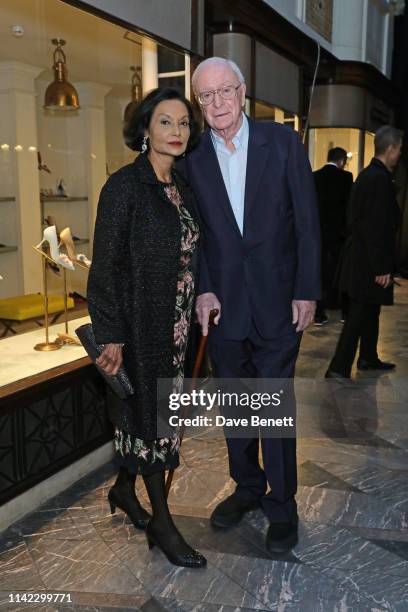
267 112
53 163
323 139
368 148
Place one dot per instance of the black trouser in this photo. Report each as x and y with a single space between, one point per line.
362 324
330 293
256 357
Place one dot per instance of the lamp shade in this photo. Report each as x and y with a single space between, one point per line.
60 94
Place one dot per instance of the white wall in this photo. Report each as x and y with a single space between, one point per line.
287 8
349 26
294 11
169 20
362 29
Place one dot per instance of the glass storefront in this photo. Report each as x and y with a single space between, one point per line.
359 145
267 112
53 163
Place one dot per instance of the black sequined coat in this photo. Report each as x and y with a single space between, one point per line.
133 283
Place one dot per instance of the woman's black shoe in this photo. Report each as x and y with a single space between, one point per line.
130 505
188 558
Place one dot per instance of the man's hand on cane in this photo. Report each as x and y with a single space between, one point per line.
204 304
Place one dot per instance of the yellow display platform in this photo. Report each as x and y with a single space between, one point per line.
23 307
31 306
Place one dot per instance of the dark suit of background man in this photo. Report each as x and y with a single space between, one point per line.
260 265
333 186
369 257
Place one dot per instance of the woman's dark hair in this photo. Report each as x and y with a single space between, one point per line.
138 116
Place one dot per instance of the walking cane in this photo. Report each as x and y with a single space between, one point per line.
196 370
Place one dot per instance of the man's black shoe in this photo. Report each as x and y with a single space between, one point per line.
363 364
321 320
281 537
230 511
332 374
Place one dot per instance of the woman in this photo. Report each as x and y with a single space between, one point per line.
140 295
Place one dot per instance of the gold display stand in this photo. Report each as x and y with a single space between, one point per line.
47 345
66 337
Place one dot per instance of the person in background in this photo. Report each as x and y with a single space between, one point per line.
333 187
368 265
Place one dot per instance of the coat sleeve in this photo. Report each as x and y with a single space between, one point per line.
204 281
376 226
307 224
106 280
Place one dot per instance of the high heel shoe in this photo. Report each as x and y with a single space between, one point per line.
67 240
130 505
191 559
50 236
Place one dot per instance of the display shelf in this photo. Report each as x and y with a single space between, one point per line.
18 350
7 199
81 241
8 249
56 198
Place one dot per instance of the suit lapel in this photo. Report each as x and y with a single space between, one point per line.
207 163
258 152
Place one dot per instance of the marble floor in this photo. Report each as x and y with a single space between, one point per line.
353 504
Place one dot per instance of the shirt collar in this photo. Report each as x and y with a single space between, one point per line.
240 139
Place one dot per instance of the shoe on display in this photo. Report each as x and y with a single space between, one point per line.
67 241
50 236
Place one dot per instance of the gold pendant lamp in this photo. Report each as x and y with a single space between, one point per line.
136 92
60 94
136 84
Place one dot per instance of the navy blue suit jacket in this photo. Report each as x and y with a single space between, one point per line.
256 276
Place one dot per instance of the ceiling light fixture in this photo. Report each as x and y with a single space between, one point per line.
136 84
60 94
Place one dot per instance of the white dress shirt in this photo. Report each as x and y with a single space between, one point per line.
233 168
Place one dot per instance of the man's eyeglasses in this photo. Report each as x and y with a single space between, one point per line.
227 92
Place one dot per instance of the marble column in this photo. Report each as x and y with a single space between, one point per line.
18 127
150 77
92 101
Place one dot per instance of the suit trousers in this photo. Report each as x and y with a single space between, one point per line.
256 357
362 324
330 293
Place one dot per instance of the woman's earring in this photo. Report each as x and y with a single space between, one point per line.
144 145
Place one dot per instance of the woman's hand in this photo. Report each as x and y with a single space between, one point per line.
111 358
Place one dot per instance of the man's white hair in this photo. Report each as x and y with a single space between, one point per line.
220 61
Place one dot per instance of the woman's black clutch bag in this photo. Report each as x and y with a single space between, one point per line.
120 382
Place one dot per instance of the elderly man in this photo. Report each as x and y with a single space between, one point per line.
260 267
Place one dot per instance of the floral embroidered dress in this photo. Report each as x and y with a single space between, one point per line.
148 456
